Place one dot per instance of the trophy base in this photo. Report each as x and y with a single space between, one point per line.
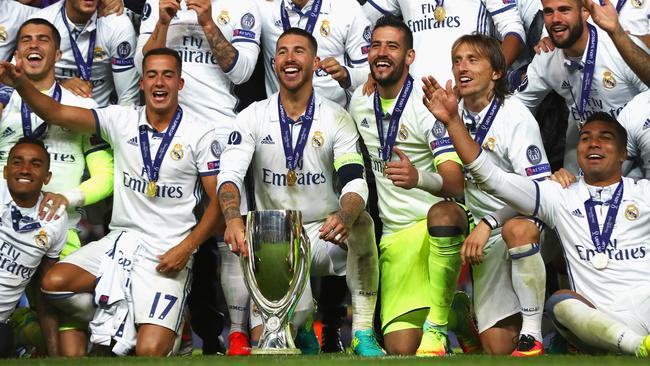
275 351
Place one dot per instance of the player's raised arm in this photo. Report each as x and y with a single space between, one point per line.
74 118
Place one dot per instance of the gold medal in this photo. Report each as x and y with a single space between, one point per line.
384 172
439 13
151 189
292 177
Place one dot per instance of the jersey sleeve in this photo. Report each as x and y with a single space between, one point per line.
375 9
346 139
627 120
123 48
147 25
439 142
5 94
533 88
506 18
207 154
106 120
526 152
630 76
60 237
239 149
246 40
357 45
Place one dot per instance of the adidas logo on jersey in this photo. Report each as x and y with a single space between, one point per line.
566 85
133 141
268 140
577 213
646 124
8 132
365 123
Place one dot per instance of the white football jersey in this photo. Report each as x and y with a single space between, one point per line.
341 30
634 16
628 251
12 15
513 143
332 140
208 88
112 69
67 148
165 220
424 140
21 252
433 39
614 84
635 117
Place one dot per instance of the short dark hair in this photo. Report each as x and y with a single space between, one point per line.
490 48
303 33
32 141
395 22
621 133
56 36
164 51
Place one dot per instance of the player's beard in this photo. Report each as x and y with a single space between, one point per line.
391 78
574 34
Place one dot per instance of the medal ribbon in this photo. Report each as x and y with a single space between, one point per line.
484 127
440 3
588 74
386 145
293 156
153 168
619 5
312 14
17 218
26 116
82 66
599 239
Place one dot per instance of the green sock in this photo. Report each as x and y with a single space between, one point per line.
444 268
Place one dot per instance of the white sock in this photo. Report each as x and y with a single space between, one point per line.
362 272
529 282
234 289
595 328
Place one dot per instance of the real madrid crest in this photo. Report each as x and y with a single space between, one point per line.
42 240
99 54
632 212
3 33
489 144
403 133
608 80
177 152
223 18
325 28
318 140
637 3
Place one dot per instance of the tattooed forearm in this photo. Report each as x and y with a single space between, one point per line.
157 39
351 207
224 52
229 199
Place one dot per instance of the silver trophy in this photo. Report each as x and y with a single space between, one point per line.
276 272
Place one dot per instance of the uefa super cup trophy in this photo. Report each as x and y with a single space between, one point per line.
276 272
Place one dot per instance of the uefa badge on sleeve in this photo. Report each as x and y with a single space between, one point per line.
318 140
41 239
177 152
223 18
325 28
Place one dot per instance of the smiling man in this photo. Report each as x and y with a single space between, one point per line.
599 220
296 140
155 194
29 245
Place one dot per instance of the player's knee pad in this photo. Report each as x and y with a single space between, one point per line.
6 340
77 306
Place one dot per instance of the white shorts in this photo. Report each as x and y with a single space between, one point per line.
494 298
633 310
157 299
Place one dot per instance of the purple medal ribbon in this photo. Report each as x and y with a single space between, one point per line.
484 127
588 75
599 239
386 145
619 5
84 67
152 169
312 14
26 116
294 155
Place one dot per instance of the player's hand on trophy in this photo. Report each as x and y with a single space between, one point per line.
544 45
203 9
235 236
52 206
402 173
175 259
564 177
78 87
338 72
335 230
167 10
369 85
472 250
441 101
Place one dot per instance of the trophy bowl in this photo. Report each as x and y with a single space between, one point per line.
276 272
